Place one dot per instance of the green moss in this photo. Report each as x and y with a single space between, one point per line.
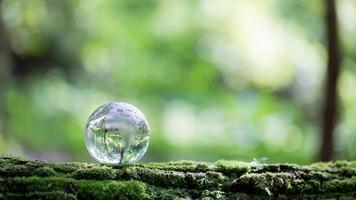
182 166
164 178
111 190
30 184
211 180
210 195
66 168
266 183
169 194
44 171
157 177
24 179
344 163
85 189
320 166
56 195
95 173
232 168
11 170
14 160
344 185
310 186
335 166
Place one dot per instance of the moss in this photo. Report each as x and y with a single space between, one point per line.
335 167
182 166
66 168
11 167
277 168
232 168
111 190
56 195
157 177
320 175
10 170
95 173
209 180
344 163
210 195
169 194
30 184
85 189
44 171
344 185
320 166
310 186
25 179
266 184
14 160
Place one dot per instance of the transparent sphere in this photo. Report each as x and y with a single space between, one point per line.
117 133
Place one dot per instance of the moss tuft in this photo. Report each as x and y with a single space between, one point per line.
266 184
210 195
170 193
56 195
233 168
44 171
341 186
157 177
182 166
30 184
95 173
111 190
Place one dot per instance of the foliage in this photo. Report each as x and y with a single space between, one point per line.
233 80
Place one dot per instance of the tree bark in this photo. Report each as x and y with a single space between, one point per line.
333 69
25 179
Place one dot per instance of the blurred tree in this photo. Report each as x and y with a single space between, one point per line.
333 69
44 49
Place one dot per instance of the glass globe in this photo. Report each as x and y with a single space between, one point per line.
117 133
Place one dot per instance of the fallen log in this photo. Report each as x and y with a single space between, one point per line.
32 179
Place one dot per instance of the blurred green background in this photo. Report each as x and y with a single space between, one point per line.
216 79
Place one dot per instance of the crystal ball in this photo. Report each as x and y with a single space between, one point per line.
117 133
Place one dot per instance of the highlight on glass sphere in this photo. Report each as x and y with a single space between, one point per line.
117 133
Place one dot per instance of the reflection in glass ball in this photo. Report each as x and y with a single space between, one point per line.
117 133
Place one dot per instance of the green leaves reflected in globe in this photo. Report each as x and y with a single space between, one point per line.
117 133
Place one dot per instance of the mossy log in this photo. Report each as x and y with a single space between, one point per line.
27 179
